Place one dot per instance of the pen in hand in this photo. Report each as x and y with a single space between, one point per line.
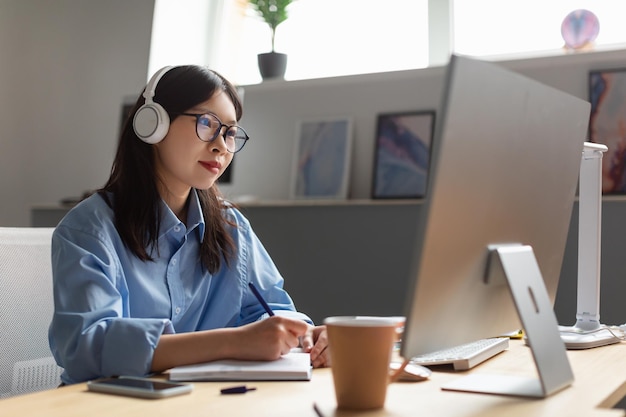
259 297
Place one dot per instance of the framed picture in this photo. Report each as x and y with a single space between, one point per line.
322 159
402 154
607 94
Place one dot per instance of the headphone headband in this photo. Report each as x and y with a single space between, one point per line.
150 90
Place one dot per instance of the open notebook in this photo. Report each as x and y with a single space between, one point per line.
294 366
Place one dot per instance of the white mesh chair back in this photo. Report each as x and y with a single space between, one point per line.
26 306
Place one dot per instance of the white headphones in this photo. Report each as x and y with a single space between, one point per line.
151 121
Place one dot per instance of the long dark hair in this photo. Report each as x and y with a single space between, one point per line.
133 179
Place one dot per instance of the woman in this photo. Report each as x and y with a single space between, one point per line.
152 271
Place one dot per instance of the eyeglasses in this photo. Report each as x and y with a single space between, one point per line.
209 127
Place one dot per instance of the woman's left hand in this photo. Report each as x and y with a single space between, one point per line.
315 342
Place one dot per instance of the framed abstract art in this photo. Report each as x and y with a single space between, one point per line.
402 154
321 163
607 94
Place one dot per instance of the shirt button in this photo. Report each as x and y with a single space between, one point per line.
174 262
177 228
177 310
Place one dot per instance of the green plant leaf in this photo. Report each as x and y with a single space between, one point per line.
273 12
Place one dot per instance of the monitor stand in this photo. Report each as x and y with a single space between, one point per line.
588 332
517 266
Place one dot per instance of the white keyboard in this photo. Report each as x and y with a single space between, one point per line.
464 356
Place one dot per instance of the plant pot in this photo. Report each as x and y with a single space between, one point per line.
272 65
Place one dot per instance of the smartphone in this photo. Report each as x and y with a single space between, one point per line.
139 387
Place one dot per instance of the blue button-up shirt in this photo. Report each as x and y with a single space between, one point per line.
111 307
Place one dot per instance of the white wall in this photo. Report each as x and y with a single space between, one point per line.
272 109
66 66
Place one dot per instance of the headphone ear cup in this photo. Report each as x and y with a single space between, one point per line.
151 123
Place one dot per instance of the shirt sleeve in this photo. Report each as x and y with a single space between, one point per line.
258 267
91 334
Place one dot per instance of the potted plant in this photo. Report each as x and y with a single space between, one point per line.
273 12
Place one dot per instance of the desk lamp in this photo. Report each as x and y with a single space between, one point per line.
588 332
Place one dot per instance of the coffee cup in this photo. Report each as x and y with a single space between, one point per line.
360 350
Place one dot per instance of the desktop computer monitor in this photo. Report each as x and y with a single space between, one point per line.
504 169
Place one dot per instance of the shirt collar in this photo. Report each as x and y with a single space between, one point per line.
194 216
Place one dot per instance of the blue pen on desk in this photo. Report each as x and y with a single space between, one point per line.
259 297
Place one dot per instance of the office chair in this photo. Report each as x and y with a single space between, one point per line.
26 305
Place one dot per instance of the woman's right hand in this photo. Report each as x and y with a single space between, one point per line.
268 339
